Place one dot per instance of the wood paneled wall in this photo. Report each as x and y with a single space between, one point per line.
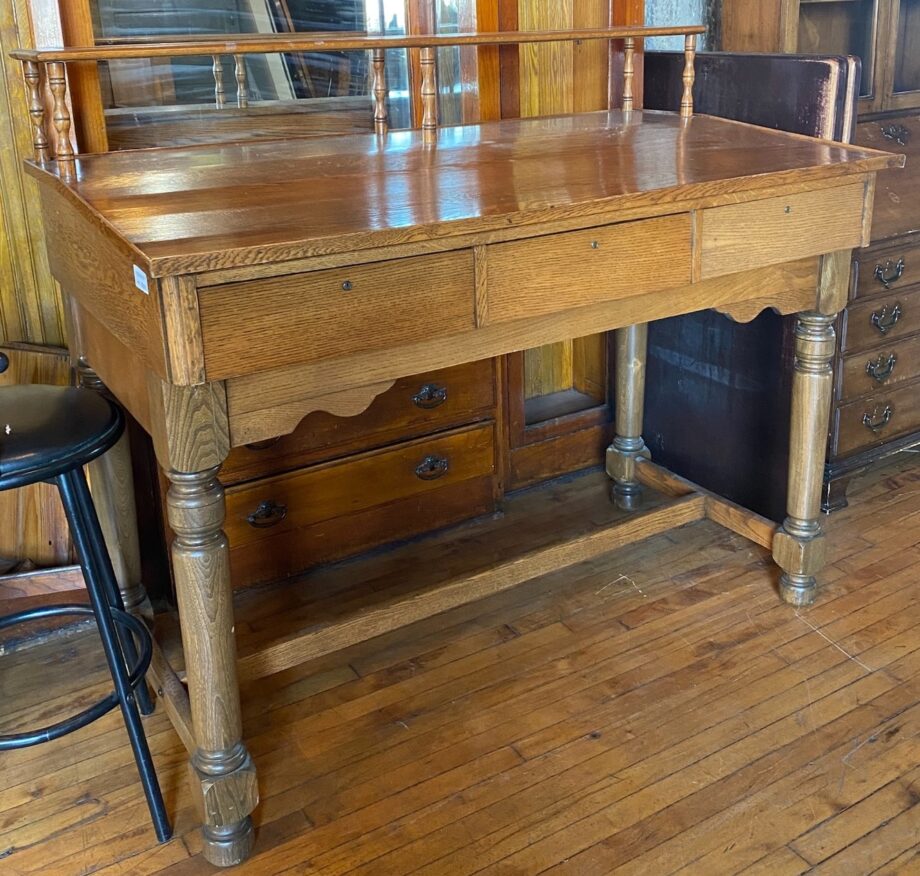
30 305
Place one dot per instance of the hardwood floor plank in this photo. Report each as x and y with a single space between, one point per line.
835 834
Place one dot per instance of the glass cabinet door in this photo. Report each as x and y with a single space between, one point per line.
170 101
844 27
906 60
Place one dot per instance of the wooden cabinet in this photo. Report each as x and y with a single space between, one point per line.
879 334
885 34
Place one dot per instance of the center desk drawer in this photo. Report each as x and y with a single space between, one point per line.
755 234
556 272
267 323
419 405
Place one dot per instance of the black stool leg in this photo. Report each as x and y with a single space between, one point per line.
102 566
87 536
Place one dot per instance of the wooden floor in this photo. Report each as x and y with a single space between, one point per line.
656 711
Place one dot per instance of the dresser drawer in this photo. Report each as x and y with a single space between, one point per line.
294 500
256 324
880 368
414 406
559 271
877 418
880 270
282 525
880 320
897 192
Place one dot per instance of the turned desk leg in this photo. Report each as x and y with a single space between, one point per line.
222 772
112 482
631 352
798 546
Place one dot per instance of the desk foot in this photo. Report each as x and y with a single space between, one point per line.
228 846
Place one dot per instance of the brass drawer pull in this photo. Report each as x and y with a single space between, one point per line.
875 421
431 468
897 133
430 396
268 514
883 367
886 319
890 273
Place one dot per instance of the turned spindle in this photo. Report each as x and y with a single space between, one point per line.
60 115
429 97
219 93
378 64
629 72
686 103
32 73
242 88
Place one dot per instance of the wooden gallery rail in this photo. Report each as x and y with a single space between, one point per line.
222 293
44 70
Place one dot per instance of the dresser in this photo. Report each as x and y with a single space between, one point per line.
876 407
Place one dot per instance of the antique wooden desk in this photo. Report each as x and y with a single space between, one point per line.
223 292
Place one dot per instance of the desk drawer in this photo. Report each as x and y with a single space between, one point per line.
881 320
776 230
880 368
414 406
560 271
255 325
282 525
882 269
877 418
322 492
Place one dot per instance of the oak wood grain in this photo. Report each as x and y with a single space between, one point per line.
186 211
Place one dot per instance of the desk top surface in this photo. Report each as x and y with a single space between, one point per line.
197 208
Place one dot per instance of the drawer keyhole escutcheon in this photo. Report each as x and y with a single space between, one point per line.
595 244
430 396
432 467
876 421
885 320
883 367
347 286
268 514
890 273
263 445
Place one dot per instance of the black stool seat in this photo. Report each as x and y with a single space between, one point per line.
48 430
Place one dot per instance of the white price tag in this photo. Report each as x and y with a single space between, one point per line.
141 281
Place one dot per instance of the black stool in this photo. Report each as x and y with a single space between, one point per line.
49 433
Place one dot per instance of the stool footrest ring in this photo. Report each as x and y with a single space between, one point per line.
97 710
